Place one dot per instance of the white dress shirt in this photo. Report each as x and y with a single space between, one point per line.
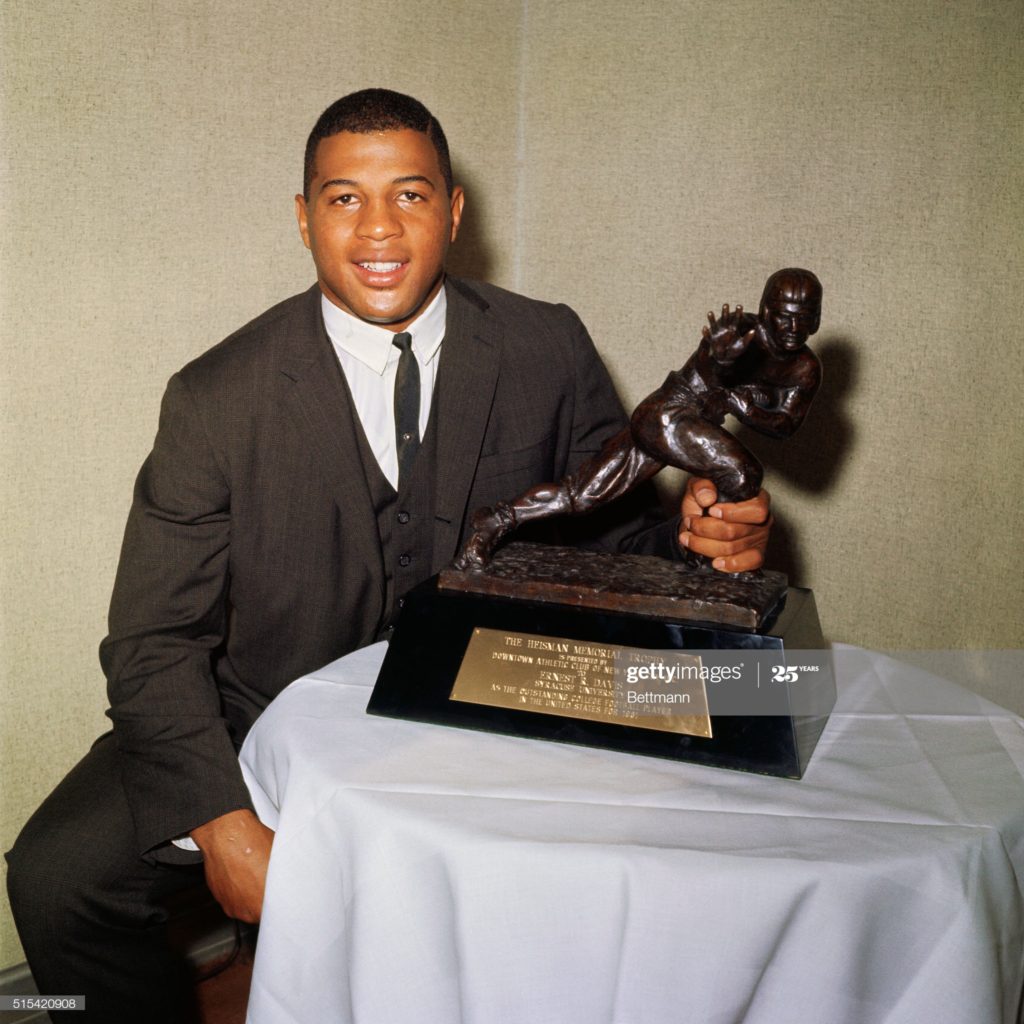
370 361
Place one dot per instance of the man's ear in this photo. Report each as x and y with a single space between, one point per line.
300 216
457 202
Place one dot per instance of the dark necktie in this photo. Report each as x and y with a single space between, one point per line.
407 407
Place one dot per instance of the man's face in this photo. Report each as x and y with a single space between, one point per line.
792 323
378 222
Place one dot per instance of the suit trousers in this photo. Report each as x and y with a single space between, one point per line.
89 909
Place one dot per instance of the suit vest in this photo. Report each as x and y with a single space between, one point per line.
405 518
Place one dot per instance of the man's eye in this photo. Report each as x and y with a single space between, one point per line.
345 199
411 197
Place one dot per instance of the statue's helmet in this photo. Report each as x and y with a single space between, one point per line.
793 287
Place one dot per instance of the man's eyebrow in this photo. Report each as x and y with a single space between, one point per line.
338 181
404 180
414 177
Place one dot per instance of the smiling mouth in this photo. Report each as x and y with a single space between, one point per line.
379 268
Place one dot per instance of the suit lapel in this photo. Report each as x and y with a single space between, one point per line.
322 408
467 376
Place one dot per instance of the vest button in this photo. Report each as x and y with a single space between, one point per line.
404 560
403 517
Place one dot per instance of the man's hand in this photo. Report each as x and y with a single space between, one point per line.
732 534
236 850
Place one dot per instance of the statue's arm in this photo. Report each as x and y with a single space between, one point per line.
776 412
778 409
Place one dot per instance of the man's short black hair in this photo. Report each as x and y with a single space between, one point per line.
376 110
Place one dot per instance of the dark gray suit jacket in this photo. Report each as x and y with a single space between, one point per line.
251 554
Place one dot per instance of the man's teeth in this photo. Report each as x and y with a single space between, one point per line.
380 268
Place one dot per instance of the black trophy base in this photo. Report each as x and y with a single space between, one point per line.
768 726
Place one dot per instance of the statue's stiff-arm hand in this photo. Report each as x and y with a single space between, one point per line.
733 534
726 336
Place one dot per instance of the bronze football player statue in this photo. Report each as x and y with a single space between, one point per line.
757 368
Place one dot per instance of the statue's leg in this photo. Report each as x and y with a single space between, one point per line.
618 468
729 465
676 433
490 525
690 442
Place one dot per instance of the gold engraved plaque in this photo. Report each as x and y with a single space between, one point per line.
660 690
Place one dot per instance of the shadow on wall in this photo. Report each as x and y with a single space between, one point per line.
471 256
813 459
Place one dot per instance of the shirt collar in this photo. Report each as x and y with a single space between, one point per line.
372 345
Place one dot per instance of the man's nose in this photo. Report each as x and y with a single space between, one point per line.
378 220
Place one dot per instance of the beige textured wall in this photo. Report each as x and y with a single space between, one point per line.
152 152
641 163
677 156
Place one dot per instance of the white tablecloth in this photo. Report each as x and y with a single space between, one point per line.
430 874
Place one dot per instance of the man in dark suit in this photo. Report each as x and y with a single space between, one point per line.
279 520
